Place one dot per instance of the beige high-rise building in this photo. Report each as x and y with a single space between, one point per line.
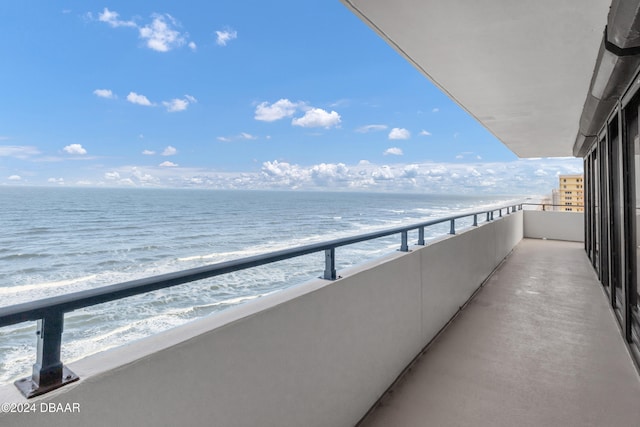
571 192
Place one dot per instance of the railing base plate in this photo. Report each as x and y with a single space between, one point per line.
29 389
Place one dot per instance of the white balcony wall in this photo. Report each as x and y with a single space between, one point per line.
554 225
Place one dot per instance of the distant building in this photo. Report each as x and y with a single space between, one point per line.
571 193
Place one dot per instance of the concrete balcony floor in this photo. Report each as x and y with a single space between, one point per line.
537 346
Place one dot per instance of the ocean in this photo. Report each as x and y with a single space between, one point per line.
62 240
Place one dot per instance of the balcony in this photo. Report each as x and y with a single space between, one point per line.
516 328
537 346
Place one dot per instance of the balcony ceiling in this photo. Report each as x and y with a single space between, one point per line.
521 68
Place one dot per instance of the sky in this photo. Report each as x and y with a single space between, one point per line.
288 95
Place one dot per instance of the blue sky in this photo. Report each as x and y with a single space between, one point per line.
233 95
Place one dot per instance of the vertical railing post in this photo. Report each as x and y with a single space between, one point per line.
491 215
500 210
48 372
48 367
330 264
453 227
404 245
475 220
421 236
488 217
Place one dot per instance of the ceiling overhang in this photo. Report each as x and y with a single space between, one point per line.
522 69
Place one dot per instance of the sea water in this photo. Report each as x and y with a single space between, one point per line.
61 240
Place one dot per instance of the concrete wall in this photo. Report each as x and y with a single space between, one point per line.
317 354
553 225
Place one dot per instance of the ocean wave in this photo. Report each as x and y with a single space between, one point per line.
256 250
23 256
224 255
45 285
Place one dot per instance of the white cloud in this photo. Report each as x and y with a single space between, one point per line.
313 117
104 93
276 111
472 177
435 110
371 128
393 151
399 133
59 181
176 105
317 117
148 152
75 149
225 36
111 18
160 34
144 177
241 136
425 133
276 168
111 176
170 151
383 173
17 151
326 174
135 98
15 178
540 172
410 171
436 169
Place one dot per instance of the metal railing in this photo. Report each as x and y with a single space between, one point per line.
49 372
551 205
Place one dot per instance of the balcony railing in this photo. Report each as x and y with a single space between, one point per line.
545 206
49 372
